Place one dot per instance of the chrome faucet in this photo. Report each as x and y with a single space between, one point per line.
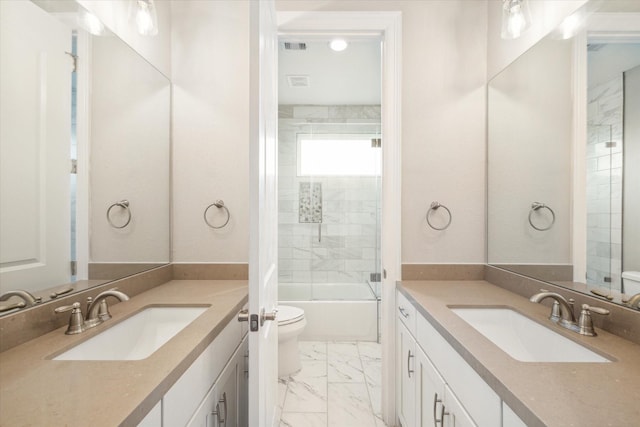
98 310
562 313
633 302
562 310
27 297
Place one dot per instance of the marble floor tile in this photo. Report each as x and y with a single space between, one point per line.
339 385
345 370
370 351
375 395
372 372
298 419
312 369
341 350
349 406
312 350
306 395
282 391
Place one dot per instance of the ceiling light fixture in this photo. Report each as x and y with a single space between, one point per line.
570 26
338 45
515 18
146 18
90 22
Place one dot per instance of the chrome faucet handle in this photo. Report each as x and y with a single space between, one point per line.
585 323
76 321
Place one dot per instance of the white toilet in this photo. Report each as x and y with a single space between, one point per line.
291 323
631 281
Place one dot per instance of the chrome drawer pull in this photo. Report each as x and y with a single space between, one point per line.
435 406
409 370
403 312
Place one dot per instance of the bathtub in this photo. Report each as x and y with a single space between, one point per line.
334 311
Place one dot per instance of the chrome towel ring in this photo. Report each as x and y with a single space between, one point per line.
220 205
536 206
124 204
434 207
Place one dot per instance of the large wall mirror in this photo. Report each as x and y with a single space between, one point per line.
564 155
85 151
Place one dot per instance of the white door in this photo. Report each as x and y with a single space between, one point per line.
35 140
263 257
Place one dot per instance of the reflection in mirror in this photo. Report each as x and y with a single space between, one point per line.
84 128
564 186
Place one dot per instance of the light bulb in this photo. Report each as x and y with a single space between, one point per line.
338 45
570 26
91 23
146 18
515 18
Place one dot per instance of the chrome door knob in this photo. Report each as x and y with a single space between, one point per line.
268 316
243 316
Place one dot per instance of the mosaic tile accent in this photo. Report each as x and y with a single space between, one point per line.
310 202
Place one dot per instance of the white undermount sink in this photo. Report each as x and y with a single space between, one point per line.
524 339
136 337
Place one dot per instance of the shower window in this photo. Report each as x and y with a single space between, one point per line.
338 155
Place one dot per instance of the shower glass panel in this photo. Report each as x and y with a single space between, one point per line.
329 213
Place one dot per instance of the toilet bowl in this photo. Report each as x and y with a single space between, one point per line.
631 281
291 323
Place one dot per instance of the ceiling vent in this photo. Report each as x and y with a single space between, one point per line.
295 46
298 81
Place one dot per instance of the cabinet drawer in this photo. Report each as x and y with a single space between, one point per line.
406 312
182 400
479 400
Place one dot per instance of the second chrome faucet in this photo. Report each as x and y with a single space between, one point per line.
97 311
562 313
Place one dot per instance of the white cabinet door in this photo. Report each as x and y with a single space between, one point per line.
454 414
406 353
220 406
243 384
429 391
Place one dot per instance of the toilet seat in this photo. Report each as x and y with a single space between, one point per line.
288 315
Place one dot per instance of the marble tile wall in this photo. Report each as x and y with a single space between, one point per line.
604 183
345 246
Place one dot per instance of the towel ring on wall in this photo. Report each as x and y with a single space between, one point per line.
124 204
220 205
535 206
434 206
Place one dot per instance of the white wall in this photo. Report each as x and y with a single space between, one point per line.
130 155
210 73
115 15
530 135
443 114
545 16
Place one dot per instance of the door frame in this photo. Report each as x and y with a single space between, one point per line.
388 25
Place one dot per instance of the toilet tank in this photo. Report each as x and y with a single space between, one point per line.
631 282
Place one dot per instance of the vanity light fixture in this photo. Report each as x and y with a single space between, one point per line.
338 45
570 26
145 16
90 22
515 18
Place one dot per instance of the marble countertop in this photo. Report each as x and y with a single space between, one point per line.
37 391
541 394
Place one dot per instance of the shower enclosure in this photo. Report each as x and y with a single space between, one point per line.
329 218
